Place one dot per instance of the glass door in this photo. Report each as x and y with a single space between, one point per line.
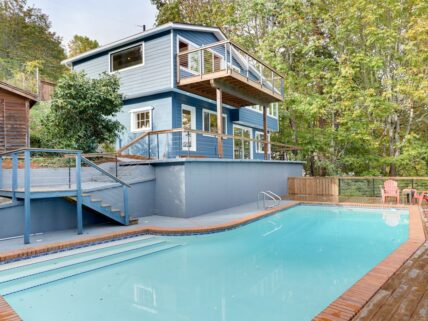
242 149
188 121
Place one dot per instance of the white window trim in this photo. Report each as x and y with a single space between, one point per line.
257 137
261 111
203 120
135 111
141 44
192 126
251 142
182 39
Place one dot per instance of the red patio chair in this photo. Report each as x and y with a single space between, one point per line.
390 189
420 197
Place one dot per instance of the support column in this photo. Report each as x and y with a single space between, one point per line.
265 132
27 197
219 95
79 193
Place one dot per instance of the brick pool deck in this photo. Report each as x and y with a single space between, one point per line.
379 296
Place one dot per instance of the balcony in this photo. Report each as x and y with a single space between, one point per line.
244 79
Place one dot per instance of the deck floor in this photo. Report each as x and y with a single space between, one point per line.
404 297
214 218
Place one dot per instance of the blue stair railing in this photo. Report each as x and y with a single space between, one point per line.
30 173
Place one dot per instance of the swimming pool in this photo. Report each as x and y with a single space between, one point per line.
288 266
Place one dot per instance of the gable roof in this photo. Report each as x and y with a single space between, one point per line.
19 92
165 27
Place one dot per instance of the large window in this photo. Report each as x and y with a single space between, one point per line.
189 61
260 146
141 119
210 122
126 58
272 109
242 147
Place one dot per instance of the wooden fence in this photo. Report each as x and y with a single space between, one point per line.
349 186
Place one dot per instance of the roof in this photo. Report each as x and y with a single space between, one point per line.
165 27
20 92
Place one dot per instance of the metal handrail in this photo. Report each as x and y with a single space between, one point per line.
41 150
201 132
276 196
92 164
264 200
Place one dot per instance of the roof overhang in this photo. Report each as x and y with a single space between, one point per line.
19 92
141 35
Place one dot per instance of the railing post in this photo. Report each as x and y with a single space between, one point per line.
273 83
149 143
1 172
261 74
14 175
248 66
225 56
69 172
27 197
157 145
116 169
201 57
188 144
79 193
125 204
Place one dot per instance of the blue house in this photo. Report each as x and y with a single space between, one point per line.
189 92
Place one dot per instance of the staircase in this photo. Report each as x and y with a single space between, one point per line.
93 203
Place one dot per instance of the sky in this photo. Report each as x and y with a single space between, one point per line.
103 20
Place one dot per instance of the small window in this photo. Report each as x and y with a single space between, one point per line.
190 61
210 122
141 119
260 146
126 58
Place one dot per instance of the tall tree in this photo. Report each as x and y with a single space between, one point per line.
26 37
80 44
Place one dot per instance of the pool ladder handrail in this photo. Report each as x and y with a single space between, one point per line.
274 197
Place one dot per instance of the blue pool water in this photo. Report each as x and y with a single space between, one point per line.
285 267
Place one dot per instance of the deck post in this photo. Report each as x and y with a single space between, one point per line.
79 193
27 197
265 133
219 94
14 176
125 204
1 172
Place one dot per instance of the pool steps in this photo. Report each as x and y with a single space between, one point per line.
15 280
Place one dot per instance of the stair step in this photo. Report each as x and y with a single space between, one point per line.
95 200
61 272
133 220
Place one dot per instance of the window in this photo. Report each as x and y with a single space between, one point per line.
272 109
126 58
210 122
189 61
260 146
141 119
242 148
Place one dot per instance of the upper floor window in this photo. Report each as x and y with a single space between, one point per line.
272 109
141 119
189 61
126 58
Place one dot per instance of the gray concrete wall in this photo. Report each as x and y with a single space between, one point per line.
186 188
49 214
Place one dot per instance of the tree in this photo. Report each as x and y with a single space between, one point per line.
356 95
82 112
81 44
26 37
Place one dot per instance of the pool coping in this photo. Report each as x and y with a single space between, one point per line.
344 308
349 303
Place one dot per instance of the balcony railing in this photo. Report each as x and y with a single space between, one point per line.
189 143
212 61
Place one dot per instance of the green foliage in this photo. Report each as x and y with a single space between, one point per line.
82 112
81 44
38 133
356 89
25 37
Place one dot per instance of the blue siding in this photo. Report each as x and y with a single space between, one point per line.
252 118
161 119
153 75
